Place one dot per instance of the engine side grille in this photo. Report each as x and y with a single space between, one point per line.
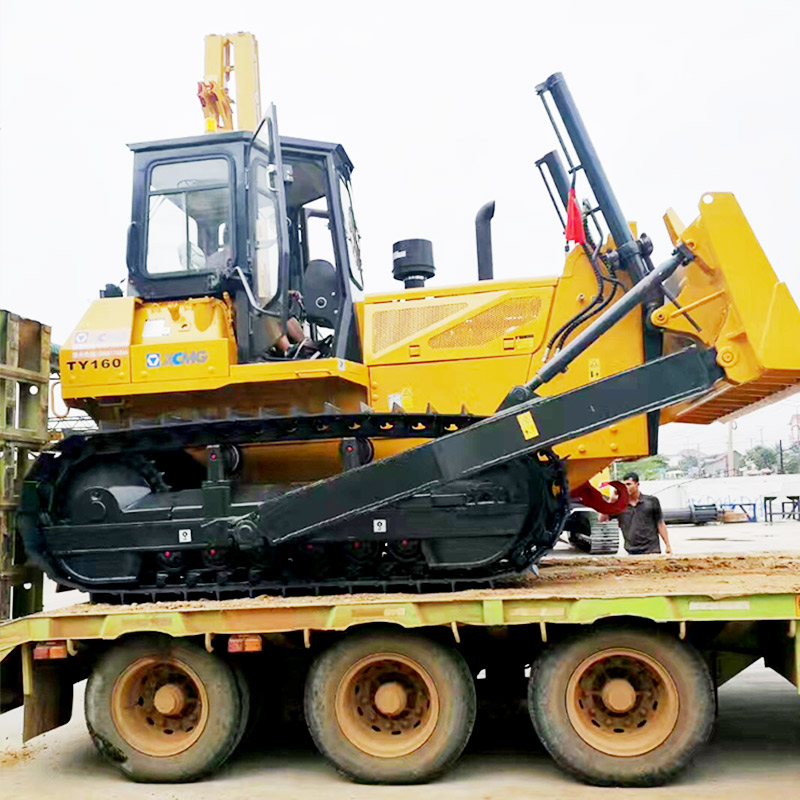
496 321
395 324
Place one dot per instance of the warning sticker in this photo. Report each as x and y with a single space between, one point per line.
105 339
527 425
594 369
404 398
154 328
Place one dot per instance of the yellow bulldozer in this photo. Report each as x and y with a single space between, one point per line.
262 430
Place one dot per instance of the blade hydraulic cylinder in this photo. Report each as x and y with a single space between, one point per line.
627 247
557 174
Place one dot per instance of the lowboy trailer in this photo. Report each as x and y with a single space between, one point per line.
622 660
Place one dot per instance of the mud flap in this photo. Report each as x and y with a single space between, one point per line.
48 695
11 695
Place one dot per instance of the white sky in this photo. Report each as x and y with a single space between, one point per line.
435 104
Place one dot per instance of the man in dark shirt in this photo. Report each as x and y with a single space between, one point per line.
642 521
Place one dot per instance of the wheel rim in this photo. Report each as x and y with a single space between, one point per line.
387 705
622 702
159 706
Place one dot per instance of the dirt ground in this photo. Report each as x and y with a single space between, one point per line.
754 749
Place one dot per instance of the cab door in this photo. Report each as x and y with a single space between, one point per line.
268 242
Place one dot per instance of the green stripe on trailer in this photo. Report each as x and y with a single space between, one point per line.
320 614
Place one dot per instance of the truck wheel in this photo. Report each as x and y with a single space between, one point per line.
622 707
164 710
390 707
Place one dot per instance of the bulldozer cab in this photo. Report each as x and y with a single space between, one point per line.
263 220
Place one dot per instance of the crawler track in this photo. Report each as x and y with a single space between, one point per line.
522 504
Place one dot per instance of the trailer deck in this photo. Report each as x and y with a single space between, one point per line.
568 590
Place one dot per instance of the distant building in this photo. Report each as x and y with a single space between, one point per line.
717 466
696 464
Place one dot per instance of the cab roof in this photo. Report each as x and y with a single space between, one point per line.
288 143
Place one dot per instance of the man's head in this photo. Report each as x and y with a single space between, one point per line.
631 481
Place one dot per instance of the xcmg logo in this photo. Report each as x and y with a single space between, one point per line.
181 359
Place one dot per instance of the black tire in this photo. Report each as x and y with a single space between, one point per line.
554 694
450 717
249 715
251 692
108 697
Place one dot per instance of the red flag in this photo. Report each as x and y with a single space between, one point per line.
574 230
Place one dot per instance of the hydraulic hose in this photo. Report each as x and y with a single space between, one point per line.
627 303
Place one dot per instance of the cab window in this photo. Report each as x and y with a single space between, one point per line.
267 245
189 213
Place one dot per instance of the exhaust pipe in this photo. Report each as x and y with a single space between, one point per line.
483 240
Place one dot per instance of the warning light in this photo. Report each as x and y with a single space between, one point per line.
245 644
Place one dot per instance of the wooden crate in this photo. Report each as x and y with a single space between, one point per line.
24 384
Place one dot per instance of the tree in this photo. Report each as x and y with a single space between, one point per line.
649 468
791 460
688 463
762 457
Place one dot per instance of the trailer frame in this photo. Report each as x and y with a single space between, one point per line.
42 678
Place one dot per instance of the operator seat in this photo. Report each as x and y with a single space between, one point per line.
320 293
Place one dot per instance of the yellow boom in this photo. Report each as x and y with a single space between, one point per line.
231 55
